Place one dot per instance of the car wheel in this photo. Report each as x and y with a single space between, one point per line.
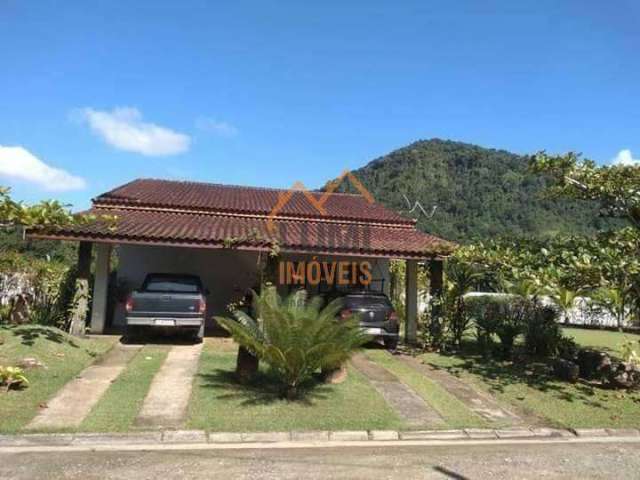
391 343
130 333
199 334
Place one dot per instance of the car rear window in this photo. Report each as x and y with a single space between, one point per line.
172 284
363 301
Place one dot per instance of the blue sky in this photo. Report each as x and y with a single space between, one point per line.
269 92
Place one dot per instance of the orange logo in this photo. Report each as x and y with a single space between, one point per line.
318 203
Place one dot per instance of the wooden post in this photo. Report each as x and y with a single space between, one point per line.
77 325
411 302
436 276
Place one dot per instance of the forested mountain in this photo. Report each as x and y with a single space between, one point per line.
477 192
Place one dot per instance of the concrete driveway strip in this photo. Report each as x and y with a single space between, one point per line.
481 403
167 401
407 404
75 400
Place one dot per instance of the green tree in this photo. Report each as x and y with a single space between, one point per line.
48 213
616 188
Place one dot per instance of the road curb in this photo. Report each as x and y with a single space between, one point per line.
201 437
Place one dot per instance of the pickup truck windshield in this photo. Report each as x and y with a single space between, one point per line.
172 285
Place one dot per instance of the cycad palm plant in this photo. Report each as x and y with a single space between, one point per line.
295 336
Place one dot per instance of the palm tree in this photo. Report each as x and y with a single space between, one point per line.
295 336
564 299
614 301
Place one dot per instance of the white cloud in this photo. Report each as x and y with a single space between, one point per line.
216 127
19 164
624 157
124 129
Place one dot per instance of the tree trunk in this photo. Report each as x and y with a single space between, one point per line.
292 392
246 365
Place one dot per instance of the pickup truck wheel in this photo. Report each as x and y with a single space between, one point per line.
130 333
199 334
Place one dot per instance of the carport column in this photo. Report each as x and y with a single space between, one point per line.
411 302
100 288
78 323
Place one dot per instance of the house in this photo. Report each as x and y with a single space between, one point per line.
231 235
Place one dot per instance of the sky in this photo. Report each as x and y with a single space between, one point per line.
267 93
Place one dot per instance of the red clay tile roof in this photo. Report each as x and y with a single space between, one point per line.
162 212
246 200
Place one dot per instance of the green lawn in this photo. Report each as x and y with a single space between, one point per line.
63 356
118 408
218 403
601 339
454 412
531 387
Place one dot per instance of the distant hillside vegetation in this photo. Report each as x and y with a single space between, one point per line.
479 192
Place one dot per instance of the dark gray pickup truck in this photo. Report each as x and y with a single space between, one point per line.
168 301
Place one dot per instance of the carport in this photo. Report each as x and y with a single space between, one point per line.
232 235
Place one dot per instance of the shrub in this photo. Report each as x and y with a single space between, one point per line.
50 296
485 313
433 325
630 351
457 318
567 348
11 377
542 333
295 336
461 278
502 315
513 316
44 311
5 310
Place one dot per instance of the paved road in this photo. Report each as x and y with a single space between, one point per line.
550 461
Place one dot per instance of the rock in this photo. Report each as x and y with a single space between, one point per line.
624 375
30 362
19 313
566 370
593 364
246 365
335 376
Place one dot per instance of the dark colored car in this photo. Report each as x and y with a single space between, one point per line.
375 312
168 301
